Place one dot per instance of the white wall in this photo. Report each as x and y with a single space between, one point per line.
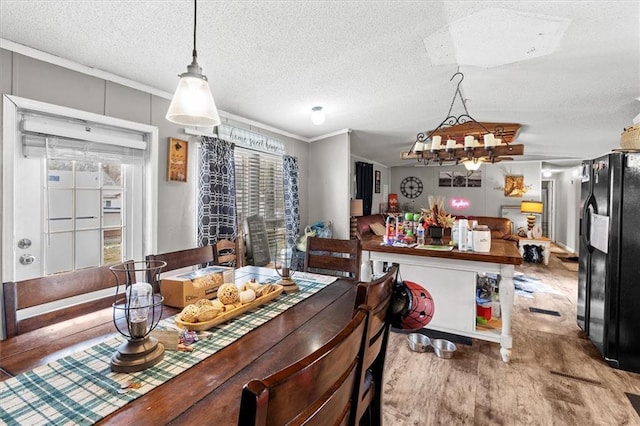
484 201
328 184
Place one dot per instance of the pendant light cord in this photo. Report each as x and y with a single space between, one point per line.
195 24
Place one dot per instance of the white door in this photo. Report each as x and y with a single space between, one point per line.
62 213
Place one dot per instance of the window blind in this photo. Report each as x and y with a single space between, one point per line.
56 137
260 191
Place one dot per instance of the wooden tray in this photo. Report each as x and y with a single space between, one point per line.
226 316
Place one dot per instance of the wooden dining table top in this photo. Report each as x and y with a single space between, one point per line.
209 392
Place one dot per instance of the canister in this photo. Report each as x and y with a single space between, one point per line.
482 239
462 232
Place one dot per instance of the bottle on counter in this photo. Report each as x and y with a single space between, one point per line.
420 234
463 228
455 231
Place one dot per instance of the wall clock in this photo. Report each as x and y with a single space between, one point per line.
411 187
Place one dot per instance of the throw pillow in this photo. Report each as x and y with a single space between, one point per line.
378 229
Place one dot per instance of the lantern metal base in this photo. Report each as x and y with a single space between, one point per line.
137 355
289 285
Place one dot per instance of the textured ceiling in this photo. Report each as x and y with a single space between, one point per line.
568 71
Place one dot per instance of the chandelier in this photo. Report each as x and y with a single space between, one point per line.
457 139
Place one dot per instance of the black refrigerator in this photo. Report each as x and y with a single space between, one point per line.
609 275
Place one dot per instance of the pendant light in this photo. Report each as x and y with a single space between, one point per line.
192 103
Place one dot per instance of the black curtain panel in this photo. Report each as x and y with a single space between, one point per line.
364 185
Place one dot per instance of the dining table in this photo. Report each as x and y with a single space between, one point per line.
209 391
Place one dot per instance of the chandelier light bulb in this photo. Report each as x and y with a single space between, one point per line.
317 115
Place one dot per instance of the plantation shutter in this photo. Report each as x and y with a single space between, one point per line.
260 191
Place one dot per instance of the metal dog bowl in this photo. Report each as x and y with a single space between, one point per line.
418 342
443 348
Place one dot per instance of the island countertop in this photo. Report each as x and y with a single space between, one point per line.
503 252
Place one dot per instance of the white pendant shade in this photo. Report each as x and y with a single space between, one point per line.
192 103
472 165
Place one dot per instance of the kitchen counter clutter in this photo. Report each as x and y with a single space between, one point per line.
451 277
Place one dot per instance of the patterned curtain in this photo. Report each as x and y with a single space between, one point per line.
291 207
217 195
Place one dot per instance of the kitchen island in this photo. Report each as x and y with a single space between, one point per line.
450 276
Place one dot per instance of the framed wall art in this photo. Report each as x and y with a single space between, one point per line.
514 186
377 182
178 158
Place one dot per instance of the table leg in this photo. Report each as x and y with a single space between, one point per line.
546 253
506 309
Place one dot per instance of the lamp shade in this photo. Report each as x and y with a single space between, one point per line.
531 207
356 208
192 103
472 165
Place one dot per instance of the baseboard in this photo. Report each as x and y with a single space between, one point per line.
565 247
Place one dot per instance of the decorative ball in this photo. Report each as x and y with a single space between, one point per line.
422 307
228 293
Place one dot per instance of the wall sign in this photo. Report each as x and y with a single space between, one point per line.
247 139
178 157
459 203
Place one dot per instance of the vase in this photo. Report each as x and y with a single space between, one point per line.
435 232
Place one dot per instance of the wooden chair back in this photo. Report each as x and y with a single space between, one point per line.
377 297
227 253
36 292
317 390
181 259
333 257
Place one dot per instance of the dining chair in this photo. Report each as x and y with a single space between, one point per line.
317 390
376 296
181 259
227 253
37 292
331 256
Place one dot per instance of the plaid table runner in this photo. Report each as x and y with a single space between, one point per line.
82 389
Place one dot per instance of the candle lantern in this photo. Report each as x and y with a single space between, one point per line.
284 270
136 312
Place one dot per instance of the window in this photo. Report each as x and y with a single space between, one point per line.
84 222
260 191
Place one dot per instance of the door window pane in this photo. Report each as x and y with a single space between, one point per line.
85 220
87 175
112 246
88 252
58 249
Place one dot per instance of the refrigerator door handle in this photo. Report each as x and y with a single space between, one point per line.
589 208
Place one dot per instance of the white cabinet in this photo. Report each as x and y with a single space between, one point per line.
452 285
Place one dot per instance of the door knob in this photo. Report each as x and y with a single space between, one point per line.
24 243
27 259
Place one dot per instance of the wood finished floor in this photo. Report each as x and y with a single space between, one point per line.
555 377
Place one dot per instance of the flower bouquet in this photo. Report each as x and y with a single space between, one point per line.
436 215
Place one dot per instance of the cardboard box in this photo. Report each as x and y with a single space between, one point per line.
186 288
